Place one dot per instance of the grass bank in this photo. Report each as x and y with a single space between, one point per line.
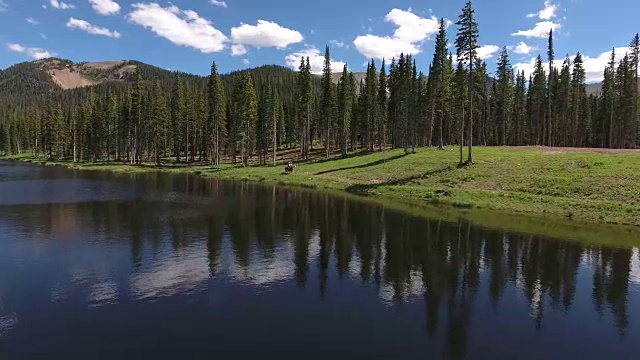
542 190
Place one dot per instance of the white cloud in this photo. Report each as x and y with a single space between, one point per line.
74 23
593 66
336 43
3 6
32 21
487 51
540 30
238 50
105 7
181 27
483 52
61 5
42 35
265 34
316 60
523 49
35 53
219 3
245 61
548 12
410 32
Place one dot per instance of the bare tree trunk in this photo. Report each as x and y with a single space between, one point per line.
462 134
469 156
275 139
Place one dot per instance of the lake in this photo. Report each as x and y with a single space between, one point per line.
103 266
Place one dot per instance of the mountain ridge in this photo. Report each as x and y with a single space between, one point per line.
45 75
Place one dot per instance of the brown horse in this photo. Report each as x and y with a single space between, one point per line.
289 168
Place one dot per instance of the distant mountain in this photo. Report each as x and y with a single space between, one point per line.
596 89
40 77
335 77
43 76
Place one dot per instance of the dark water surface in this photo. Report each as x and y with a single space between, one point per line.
96 265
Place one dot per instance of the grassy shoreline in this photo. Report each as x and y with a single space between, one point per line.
582 195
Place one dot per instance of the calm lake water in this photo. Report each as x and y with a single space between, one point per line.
98 265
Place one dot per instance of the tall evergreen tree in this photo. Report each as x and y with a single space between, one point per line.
159 121
548 138
580 124
466 45
520 110
327 102
345 97
178 113
217 114
504 97
438 80
136 116
563 103
609 98
304 102
381 107
538 101
635 67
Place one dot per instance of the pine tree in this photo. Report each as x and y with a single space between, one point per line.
563 103
625 84
422 112
327 102
110 113
549 123
304 102
466 45
520 109
159 121
353 128
48 129
345 97
578 101
635 67
609 98
438 80
245 113
370 94
137 112
482 100
276 110
381 108
217 114
503 95
538 100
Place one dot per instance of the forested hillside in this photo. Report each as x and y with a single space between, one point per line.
141 113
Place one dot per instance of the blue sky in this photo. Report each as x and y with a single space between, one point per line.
187 35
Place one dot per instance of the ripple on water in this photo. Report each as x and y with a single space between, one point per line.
104 293
8 322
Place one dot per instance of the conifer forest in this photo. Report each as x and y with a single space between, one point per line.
251 116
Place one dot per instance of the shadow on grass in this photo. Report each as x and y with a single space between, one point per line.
365 189
337 156
373 163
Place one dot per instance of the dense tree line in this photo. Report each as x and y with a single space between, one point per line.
157 115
